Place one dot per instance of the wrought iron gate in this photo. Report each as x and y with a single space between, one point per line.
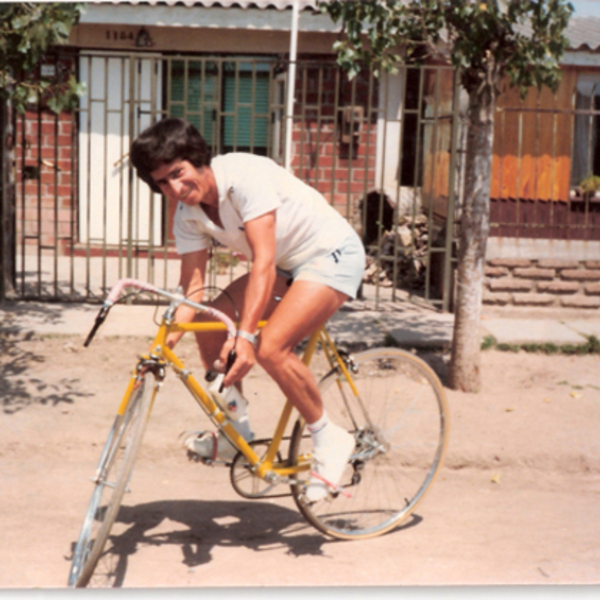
384 153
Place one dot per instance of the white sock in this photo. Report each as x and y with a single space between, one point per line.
319 429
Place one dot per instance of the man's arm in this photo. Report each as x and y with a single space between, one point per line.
260 233
191 280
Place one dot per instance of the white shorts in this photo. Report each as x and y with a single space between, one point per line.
342 269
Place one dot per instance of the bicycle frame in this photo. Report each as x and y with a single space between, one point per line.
160 355
397 421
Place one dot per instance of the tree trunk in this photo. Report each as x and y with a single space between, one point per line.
7 203
473 232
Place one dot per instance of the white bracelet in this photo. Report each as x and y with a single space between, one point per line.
250 337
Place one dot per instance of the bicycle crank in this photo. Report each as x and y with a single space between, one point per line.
246 483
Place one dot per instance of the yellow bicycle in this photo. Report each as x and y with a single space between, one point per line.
390 400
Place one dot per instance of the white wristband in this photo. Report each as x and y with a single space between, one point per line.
249 337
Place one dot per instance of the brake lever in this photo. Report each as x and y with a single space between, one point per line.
230 360
99 320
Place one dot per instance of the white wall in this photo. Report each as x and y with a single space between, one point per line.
104 141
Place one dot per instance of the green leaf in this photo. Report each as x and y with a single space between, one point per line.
27 33
62 29
54 104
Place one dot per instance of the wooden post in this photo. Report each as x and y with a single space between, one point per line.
7 203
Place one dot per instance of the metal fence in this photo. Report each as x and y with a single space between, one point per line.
546 171
384 153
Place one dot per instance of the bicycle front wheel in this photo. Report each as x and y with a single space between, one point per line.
396 408
112 478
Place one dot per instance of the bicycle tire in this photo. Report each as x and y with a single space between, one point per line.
400 423
117 459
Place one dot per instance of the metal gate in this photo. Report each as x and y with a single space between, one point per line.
383 152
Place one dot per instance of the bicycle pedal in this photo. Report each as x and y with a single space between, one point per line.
215 463
193 457
330 497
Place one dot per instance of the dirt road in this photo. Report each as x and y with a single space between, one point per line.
518 500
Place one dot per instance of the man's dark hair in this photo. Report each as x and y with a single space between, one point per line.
168 140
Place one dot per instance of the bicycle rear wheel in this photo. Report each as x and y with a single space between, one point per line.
112 477
397 413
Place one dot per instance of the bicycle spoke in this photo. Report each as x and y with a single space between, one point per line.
111 481
399 420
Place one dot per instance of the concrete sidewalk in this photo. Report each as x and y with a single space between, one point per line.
409 327
428 329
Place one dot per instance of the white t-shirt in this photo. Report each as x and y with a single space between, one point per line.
250 186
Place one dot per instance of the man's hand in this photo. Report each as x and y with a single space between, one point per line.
245 359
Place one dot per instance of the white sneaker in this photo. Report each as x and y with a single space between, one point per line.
211 446
329 462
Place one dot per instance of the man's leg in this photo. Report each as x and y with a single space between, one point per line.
210 343
208 444
306 306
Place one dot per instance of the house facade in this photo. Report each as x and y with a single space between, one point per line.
544 245
378 149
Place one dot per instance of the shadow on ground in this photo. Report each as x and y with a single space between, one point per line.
18 387
439 361
13 313
256 526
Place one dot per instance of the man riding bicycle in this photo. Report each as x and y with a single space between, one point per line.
306 262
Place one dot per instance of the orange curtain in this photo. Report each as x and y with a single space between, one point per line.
437 133
532 142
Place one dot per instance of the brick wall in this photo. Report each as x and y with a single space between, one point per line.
45 166
543 282
343 172
322 165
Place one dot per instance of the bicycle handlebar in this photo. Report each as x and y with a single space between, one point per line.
121 284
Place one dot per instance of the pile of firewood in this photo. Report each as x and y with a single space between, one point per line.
406 248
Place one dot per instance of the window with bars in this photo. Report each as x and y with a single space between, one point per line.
586 138
228 101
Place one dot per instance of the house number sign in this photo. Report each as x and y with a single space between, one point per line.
119 36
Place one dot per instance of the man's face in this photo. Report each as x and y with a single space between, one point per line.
181 181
